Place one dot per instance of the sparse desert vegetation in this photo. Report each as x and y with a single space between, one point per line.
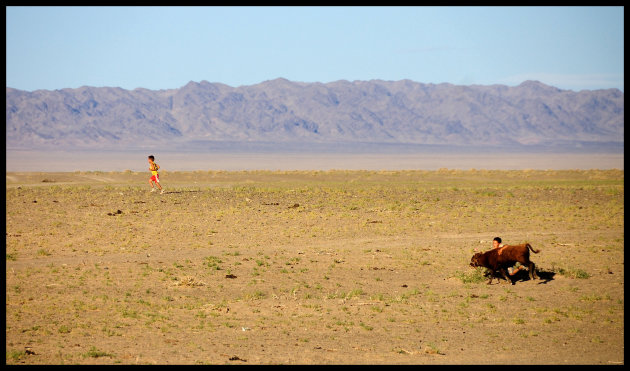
303 267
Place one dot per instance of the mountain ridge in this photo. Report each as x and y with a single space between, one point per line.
286 112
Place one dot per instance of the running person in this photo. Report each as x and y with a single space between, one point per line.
155 177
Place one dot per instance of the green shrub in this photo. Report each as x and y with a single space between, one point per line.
476 276
95 353
572 273
15 355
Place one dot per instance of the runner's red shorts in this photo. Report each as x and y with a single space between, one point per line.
155 178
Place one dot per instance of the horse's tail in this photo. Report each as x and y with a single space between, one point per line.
531 248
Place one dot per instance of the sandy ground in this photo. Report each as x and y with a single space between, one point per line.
312 267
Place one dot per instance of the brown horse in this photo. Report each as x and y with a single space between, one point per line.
510 254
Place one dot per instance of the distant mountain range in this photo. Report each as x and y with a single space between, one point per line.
206 116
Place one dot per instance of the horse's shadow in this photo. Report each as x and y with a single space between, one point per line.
544 276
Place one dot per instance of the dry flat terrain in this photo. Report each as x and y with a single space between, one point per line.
312 267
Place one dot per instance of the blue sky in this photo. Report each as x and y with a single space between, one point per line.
571 48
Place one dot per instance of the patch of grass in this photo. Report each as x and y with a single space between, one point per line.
15 355
572 273
476 276
376 309
366 327
430 348
95 353
355 292
579 273
63 329
591 298
596 339
129 313
256 295
213 262
110 332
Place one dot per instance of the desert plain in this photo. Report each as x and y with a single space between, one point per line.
312 267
